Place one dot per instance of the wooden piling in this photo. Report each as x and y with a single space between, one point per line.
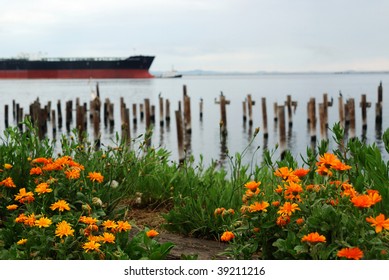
161 113
264 118
223 116
275 107
59 110
6 122
111 118
180 137
141 112
244 112
378 118
364 105
250 109
201 109
312 117
147 113
134 115
54 124
187 112
341 111
351 108
167 115
282 129
289 108
69 114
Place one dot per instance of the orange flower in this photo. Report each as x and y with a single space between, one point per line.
279 189
7 166
259 206
108 224
123 226
350 253
22 241
91 246
43 222
286 174
313 237
30 220
24 196
323 170
292 191
374 196
8 182
63 228
301 172
328 160
341 166
36 171
288 209
88 220
378 222
43 188
12 207
362 201
42 160
252 185
61 205
152 233
21 218
300 221
275 203
227 236
283 220
95 177
107 237
73 173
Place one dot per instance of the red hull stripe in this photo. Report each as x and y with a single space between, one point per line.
76 74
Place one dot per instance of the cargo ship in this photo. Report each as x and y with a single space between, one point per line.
133 67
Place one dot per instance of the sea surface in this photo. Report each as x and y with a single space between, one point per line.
205 140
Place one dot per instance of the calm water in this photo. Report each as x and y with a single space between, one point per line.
205 139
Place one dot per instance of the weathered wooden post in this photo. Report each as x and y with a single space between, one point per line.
288 104
275 107
141 112
312 117
187 112
364 105
250 104
161 119
54 124
264 118
201 109
167 115
69 114
134 115
282 130
152 114
223 114
147 112
180 137
244 112
59 109
6 122
341 111
351 108
378 118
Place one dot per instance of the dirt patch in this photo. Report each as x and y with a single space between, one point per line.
184 246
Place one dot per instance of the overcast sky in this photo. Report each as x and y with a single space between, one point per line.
227 35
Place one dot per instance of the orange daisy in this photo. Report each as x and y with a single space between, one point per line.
227 236
152 233
288 208
8 182
362 201
350 253
378 222
43 188
95 177
313 237
259 206
61 205
252 185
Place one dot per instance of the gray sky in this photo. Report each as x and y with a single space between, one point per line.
227 35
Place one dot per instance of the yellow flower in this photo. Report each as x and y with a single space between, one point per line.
288 209
314 237
7 166
12 207
63 228
43 188
152 233
108 224
256 206
91 246
95 177
43 222
61 205
88 220
22 241
227 236
378 222
107 237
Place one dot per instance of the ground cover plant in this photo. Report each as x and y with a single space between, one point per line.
73 204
